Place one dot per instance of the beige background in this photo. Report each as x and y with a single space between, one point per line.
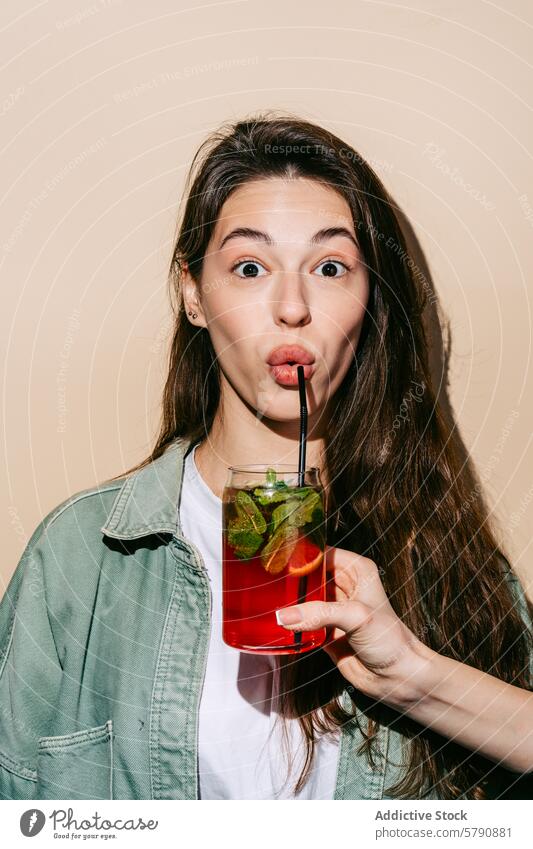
103 105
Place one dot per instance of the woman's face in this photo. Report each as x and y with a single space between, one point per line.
270 278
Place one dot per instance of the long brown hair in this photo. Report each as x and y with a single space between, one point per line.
402 493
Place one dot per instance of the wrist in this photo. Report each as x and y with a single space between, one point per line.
407 682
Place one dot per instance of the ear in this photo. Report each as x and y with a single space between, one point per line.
191 298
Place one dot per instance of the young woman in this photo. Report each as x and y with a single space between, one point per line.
115 682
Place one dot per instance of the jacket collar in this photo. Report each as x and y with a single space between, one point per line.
148 500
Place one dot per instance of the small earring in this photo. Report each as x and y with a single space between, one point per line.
194 314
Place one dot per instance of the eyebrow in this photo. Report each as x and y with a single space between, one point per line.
259 236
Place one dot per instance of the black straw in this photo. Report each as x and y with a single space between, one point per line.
302 583
303 425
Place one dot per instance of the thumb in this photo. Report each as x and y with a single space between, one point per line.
347 615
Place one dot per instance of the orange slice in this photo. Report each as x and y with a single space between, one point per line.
305 558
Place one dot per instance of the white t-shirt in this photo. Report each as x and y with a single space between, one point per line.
241 750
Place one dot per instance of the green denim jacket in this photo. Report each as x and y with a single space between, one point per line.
104 634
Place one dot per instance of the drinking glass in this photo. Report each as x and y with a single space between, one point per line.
273 542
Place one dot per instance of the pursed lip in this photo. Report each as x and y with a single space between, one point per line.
290 354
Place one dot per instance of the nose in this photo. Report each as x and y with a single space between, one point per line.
289 301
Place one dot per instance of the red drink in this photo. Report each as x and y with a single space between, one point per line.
273 556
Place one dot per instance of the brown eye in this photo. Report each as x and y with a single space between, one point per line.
250 268
331 267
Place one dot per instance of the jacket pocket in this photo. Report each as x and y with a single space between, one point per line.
77 765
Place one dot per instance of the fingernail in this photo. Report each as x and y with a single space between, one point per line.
288 616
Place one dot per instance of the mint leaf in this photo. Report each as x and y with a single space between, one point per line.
243 538
317 530
301 512
279 548
310 504
282 492
269 496
247 509
287 510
